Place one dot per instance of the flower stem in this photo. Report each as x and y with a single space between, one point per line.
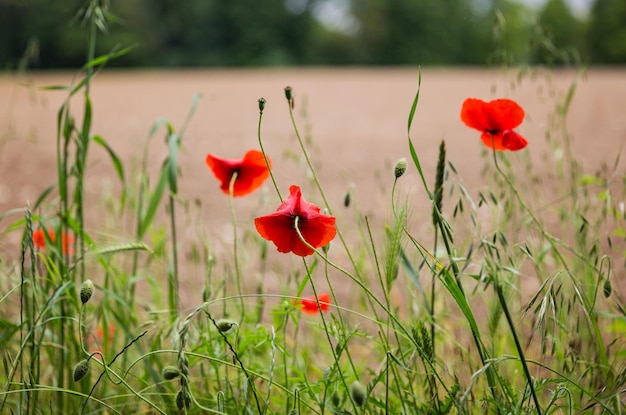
231 188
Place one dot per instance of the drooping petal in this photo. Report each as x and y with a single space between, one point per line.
310 304
475 113
513 141
506 113
493 141
279 229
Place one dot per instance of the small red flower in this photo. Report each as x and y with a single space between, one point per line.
251 172
496 119
39 239
279 227
311 306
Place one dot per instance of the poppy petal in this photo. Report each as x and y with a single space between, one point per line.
475 113
252 172
318 230
39 239
310 304
493 141
513 141
506 113
222 170
279 229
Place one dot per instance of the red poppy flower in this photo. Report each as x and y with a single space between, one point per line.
39 239
496 119
310 305
279 227
251 172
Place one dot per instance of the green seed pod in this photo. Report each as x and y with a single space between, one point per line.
399 168
288 93
358 393
170 372
261 105
86 291
224 325
80 370
183 400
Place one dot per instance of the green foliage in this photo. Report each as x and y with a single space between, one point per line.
559 35
607 32
44 34
78 346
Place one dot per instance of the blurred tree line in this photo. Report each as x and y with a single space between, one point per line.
52 34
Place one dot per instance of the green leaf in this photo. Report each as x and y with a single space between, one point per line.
153 203
173 144
117 162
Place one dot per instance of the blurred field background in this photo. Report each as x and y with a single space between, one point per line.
198 33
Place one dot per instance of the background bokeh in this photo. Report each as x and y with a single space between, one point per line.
194 33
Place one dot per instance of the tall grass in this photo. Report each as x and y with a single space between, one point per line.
447 328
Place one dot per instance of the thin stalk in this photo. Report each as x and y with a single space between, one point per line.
231 187
173 275
326 329
601 350
518 345
267 161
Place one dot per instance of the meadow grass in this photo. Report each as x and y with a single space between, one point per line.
447 328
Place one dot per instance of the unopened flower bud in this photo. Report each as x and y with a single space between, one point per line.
358 393
261 105
80 370
224 325
346 199
86 291
335 399
288 93
170 372
399 168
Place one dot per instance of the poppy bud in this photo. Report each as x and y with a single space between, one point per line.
224 325
80 370
183 400
399 168
261 105
288 93
335 399
346 199
358 393
170 372
86 291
